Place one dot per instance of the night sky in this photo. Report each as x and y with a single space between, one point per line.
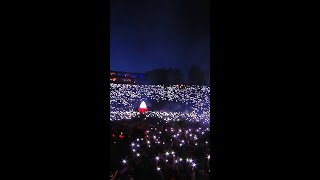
149 34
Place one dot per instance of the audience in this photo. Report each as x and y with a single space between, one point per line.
167 152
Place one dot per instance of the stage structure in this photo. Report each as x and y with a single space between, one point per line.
142 108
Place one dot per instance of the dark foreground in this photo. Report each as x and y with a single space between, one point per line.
154 149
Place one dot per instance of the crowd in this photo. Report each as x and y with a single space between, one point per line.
166 151
125 98
176 146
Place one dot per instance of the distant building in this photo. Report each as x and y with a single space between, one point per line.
125 77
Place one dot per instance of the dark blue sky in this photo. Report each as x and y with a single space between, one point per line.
149 34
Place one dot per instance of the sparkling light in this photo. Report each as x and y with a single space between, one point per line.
194 165
162 139
124 97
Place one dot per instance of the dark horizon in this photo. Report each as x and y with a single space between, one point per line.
146 35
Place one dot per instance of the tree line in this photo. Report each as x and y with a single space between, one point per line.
173 76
